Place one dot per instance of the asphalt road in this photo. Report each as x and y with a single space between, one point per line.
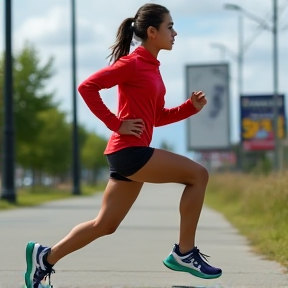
132 257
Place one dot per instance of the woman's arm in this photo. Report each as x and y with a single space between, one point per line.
120 72
168 116
192 106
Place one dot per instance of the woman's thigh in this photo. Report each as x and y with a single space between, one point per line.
168 167
118 198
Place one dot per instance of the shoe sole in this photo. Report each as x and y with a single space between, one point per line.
172 264
31 252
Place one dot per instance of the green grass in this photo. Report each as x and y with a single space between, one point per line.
38 195
257 206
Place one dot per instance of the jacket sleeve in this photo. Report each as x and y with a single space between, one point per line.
120 72
167 116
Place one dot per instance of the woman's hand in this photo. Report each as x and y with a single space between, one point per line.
132 127
198 99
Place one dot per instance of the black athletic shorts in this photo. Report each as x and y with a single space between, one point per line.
128 161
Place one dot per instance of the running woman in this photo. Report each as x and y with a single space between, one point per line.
131 160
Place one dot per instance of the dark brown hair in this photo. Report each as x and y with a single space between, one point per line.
147 15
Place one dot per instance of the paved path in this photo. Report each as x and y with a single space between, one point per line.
132 257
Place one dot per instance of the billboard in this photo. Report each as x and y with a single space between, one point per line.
210 128
256 120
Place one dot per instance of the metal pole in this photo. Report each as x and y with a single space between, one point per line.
275 86
76 169
240 80
240 53
8 186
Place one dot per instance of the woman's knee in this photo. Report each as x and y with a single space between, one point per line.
204 174
198 175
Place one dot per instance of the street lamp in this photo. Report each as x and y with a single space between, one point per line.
240 60
8 186
249 15
263 24
240 44
275 85
75 153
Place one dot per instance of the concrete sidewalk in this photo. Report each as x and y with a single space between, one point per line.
132 257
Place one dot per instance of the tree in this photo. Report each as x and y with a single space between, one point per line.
30 97
92 155
43 135
30 100
51 151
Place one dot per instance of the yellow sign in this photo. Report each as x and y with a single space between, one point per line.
262 129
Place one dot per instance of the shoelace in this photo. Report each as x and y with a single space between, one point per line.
204 256
48 275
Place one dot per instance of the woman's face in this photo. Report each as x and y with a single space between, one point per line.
164 37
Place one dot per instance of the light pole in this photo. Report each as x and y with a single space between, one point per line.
240 55
265 26
8 186
240 59
275 86
75 151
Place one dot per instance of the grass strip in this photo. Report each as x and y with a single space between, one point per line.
32 196
257 206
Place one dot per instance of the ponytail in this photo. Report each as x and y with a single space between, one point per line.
148 15
123 40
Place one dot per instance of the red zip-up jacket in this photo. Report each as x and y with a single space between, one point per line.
140 96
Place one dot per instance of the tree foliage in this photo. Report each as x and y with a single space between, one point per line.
30 95
92 157
42 133
51 151
94 146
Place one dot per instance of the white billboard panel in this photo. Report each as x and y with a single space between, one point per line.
210 128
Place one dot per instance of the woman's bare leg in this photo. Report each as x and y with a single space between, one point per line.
165 167
118 198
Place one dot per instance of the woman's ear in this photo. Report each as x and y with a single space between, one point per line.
151 32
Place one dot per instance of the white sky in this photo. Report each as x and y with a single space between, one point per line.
47 24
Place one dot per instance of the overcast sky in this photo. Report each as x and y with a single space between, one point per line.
47 24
